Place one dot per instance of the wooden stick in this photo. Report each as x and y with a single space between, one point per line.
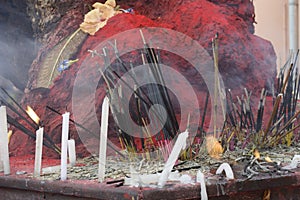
278 99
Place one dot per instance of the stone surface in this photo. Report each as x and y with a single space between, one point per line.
245 60
280 188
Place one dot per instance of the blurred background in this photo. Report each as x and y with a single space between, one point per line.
273 18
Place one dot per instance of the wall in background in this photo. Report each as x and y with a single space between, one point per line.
272 18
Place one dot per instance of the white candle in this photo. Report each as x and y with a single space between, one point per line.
103 139
179 145
64 146
294 163
38 152
228 171
72 152
4 141
201 180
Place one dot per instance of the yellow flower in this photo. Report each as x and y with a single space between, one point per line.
214 148
97 18
111 3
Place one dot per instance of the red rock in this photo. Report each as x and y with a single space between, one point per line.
245 60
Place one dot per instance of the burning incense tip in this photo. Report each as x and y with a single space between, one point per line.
33 115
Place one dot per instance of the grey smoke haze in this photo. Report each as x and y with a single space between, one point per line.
11 89
16 55
18 47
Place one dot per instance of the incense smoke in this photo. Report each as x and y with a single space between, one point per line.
17 47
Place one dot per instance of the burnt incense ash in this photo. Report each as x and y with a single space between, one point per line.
255 165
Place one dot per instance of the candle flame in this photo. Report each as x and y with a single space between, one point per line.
32 115
9 135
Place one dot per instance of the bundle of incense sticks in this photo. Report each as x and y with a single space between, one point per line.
85 129
144 97
282 123
20 112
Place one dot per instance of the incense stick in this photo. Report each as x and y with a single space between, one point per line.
33 124
87 130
